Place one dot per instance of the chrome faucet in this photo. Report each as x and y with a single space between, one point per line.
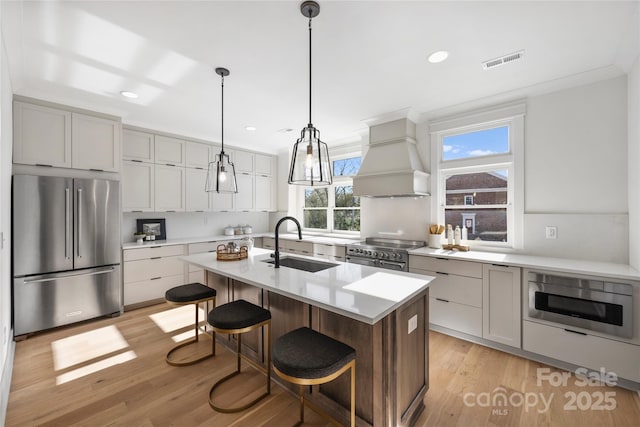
277 252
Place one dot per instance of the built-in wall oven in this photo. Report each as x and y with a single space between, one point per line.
596 305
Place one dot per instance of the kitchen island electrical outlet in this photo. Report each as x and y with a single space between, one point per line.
551 232
413 323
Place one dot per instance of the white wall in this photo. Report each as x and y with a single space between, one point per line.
6 136
196 224
633 99
576 172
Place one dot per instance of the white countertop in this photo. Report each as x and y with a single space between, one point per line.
596 268
187 240
367 294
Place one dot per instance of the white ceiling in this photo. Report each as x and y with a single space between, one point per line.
369 59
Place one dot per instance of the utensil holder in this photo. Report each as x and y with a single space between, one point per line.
435 241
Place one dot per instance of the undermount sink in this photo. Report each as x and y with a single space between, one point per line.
302 264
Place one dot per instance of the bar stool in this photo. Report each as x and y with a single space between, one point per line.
307 357
239 317
192 293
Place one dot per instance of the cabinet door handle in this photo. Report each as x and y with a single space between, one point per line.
137 161
440 272
155 257
155 278
170 164
575 332
40 164
96 170
442 300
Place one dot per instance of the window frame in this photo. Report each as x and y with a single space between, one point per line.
339 153
509 115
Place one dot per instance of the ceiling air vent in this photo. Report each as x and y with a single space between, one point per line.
503 60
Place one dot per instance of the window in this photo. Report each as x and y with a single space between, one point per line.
334 208
478 164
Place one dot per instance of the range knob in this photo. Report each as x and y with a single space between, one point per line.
394 255
375 254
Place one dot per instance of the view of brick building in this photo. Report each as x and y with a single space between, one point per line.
470 193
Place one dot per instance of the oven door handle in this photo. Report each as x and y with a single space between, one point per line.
394 263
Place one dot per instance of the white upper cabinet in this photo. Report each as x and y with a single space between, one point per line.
169 188
169 151
138 184
196 198
197 155
95 143
243 160
264 165
42 135
137 146
263 193
51 136
245 196
222 202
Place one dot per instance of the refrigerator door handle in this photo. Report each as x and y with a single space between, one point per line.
79 222
67 225
59 276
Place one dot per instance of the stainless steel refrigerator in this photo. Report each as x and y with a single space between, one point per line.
66 251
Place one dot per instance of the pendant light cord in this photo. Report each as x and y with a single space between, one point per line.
222 115
310 125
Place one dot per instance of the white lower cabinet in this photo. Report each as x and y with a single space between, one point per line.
329 252
501 304
455 300
149 272
584 350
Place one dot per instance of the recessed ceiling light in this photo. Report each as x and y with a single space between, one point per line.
438 56
250 128
128 94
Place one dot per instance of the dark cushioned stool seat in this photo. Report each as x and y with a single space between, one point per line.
238 314
190 292
305 353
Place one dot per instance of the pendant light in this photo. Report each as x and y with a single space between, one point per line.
310 163
221 174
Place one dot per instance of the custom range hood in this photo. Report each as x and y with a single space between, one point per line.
392 166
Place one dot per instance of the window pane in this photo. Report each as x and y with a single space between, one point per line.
346 167
474 144
345 197
346 219
316 197
477 189
482 224
315 219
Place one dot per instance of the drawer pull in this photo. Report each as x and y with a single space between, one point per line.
154 247
212 250
443 273
500 265
155 257
575 332
155 278
442 300
443 259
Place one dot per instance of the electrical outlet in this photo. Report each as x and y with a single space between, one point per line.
413 323
551 232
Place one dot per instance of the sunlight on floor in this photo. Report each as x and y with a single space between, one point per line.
95 367
83 347
177 318
78 349
185 335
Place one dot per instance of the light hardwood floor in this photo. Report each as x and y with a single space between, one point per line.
111 372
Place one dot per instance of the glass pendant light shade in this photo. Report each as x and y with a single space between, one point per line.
221 174
310 160
310 164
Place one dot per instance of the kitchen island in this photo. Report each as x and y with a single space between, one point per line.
383 315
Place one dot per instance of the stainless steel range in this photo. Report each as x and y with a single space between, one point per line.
392 254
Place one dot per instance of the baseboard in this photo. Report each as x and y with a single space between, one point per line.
5 384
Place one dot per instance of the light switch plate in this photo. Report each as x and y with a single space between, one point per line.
413 323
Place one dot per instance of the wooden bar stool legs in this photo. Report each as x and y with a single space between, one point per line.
239 317
193 293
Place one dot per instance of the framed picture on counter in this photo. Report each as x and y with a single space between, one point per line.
154 226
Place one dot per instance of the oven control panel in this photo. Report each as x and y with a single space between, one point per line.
377 253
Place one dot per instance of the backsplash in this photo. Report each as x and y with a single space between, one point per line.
195 224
